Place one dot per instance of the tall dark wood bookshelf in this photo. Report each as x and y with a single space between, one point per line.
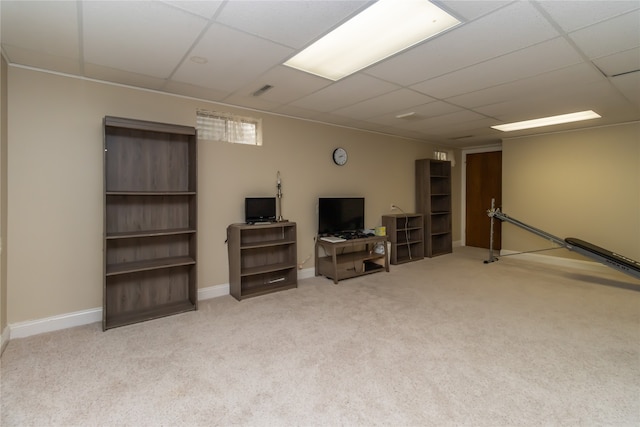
150 223
433 200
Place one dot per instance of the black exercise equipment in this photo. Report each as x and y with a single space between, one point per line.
589 250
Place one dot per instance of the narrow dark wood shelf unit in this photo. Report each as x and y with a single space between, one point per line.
433 200
150 221
406 234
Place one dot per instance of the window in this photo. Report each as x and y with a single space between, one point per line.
224 127
440 155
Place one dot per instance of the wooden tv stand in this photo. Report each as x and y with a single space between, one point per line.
356 257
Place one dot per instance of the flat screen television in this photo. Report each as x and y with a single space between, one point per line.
259 209
337 215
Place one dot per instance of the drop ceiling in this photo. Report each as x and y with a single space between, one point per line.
508 61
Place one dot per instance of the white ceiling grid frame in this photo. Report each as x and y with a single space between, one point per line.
54 36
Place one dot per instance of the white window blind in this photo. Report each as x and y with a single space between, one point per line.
224 127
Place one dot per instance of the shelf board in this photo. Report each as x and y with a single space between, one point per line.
439 233
403 230
412 242
267 268
153 264
352 257
150 233
266 244
154 313
266 289
150 193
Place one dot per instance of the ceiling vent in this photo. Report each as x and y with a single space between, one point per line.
262 90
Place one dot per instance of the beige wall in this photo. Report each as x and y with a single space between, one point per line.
3 194
583 184
56 183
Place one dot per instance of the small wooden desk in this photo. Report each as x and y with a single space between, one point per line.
357 258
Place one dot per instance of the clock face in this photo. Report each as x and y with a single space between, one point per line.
340 156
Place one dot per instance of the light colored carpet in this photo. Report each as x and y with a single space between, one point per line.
438 342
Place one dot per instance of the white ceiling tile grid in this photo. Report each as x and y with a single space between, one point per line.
507 61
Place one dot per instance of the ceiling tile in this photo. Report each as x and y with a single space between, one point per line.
401 100
291 23
44 27
553 82
629 86
618 63
288 84
524 63
600 97
572 15
194 91
509 60
114 75
228 52
511 28
608 37
206 9
472 9
38 59
133 36
433 109
348 91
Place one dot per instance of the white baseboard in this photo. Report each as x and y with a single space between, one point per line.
85 317
213 291
54 323
561 262
307 273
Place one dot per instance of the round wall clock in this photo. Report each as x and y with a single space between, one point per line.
340 156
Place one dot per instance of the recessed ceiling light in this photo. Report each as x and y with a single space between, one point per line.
383 29
199 60
548 121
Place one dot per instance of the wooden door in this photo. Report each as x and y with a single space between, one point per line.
484 182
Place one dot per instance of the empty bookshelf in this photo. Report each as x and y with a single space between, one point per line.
150 205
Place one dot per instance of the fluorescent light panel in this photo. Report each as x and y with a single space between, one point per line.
548 121
383 29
